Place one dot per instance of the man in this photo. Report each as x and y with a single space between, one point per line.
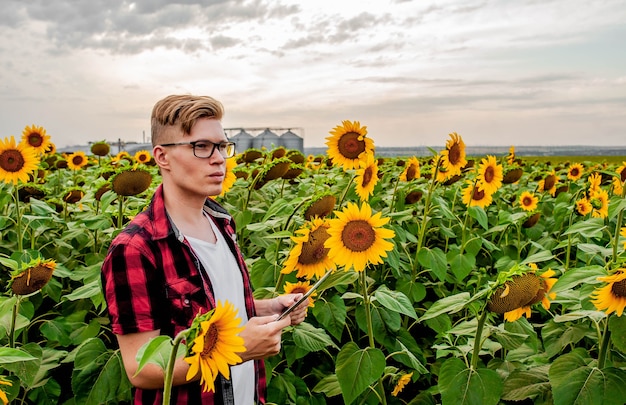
180 256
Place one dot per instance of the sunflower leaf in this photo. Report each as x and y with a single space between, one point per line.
460 385
582 275
312 339
617 324
395 301
447 305
157 351
357 369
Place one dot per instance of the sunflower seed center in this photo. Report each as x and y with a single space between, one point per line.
210 340
358 236
12 160
350 146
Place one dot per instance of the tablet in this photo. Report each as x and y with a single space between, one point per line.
305 296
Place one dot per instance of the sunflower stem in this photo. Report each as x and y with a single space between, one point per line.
370 330
18 222
120 211
604 345
478 339
345 191
169 371
618 225
422 234
13 321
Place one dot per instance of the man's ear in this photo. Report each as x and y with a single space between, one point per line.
160 156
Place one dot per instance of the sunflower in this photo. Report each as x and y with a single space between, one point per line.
300 287
37 274
357 237
230 178
600 202
36 138
583 206
77 160
473 196
51 149
489 175
142 156
215 348
131 182
531 220
513 175
366 177
510 158
549 183
617 186
453 156
3 395
575 171
622 171
528 201
411 170
16 161
347 144
402 382
612 297
413 197
595 179
321 205
101 148
73 196
309 256
543 295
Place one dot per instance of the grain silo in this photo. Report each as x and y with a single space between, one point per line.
292 141
266 139
243 141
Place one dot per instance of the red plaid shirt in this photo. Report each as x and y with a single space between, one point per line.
153 281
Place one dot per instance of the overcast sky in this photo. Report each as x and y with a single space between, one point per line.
504 72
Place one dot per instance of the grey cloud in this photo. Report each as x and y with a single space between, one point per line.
129 27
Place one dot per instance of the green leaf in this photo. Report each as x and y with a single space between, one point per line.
590 228
538 257
157 351
461 264
575 381
10 355
447 305
26 370
575 277
328 385
331 314
479 214
460 385
310 338
526 384
357 369
395 301
99 375
435 260
617 325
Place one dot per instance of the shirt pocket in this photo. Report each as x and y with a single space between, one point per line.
186 298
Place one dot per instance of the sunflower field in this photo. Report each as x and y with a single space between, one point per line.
452 279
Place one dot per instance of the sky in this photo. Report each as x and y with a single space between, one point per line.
501 72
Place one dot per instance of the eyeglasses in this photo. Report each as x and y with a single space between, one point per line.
204 149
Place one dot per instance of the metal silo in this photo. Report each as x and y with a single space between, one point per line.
266 139
243 141
292 141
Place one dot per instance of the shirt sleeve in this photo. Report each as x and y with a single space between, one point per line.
132 289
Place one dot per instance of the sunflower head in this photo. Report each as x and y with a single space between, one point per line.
453 156
37 138
295 170
101 148
413 197
251 155
77 160
348 143
575 171
301 287
143 156
474 196
366 177
358 238
296 156
528 201
612 296
28 191
411 170
531 220
16 161
515 293
583 206
131 182
73 196
321 206
213 344
513 175
36 275
309 256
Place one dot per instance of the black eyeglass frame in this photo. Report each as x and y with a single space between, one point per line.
217 146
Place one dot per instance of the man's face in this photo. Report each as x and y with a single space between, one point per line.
201 177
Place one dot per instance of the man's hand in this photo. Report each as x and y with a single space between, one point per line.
262 336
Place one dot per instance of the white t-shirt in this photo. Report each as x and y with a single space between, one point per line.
227 281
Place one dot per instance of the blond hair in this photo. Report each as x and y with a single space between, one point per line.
182 111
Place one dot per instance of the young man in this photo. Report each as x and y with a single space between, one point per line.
180 256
